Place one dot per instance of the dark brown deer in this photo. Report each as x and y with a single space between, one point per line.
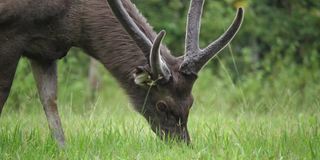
158 84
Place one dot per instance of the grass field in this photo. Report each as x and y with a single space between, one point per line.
251 119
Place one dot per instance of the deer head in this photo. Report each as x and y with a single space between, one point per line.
168 80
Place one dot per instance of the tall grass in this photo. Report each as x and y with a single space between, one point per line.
258 116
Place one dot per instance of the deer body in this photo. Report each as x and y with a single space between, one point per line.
44 31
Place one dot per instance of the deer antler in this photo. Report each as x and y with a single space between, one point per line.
157 64
130 26
195 58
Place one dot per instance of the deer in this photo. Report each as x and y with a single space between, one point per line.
114 32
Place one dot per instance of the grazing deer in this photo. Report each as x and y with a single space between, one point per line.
116 34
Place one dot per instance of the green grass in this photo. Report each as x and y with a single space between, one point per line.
250 119
105 136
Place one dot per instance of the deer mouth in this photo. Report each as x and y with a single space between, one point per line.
180 134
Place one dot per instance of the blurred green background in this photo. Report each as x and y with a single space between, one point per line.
276 52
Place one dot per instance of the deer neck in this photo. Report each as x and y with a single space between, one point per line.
107 41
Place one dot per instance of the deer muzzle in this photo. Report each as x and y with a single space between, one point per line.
180 134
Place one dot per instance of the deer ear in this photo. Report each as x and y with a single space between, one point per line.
142 77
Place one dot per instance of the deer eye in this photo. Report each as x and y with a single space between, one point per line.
161 106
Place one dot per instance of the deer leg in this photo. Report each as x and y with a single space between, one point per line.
45 75
8 66
6 77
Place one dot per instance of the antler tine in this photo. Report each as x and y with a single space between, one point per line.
155 58
193 27
194 61
130 26
216 46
